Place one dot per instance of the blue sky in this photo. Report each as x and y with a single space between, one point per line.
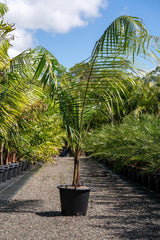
74 42
77 45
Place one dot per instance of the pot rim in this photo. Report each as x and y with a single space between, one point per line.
68 187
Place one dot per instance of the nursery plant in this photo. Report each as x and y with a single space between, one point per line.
21 100
100 81
134 142
96 85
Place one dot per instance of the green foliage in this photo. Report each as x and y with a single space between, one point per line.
145 97
102 82
135 142
30 126
41 134
5 36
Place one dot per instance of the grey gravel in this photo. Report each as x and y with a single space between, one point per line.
117 210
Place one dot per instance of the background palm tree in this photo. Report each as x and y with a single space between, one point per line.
21 95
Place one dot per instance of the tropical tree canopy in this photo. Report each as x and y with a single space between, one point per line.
25 111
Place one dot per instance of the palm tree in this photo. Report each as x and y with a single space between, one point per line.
5 29
18 90
5 37
101 79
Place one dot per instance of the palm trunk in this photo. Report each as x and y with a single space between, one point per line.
1 153
76 173
14 157
7 158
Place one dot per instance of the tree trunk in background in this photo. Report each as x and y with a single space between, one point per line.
7 158
14 157
1 153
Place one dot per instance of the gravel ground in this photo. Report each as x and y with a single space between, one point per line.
117 210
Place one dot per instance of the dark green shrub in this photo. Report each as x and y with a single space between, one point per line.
136 141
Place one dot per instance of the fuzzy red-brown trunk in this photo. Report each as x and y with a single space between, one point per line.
7 158
1 153
76 173
14 157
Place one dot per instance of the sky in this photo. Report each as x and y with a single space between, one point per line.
69 29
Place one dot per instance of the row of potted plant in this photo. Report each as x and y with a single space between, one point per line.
12 170
139 175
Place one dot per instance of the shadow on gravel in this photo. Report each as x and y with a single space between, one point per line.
49 214
27 206
120 232
126 210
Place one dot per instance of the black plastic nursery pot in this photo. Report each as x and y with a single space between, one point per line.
133 174
139 176
1 173
74 201
5 173
15 168
151 182
10 172
144 179
28 164
130 172
25 165
157 182
19 169
124 171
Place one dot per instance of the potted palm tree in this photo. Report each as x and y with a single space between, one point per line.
91 86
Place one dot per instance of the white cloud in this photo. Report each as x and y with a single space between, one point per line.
56 16
23 40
